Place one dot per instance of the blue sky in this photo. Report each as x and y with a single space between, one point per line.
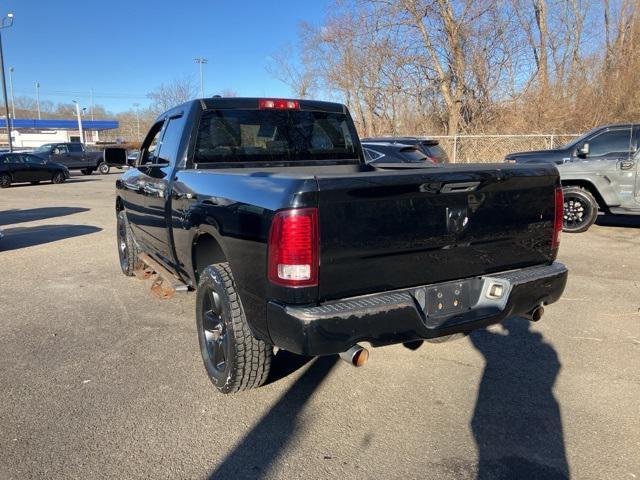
129 47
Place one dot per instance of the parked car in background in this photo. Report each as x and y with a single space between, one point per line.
384 153
132 157
267 208
599 171
74 156
25 167
429 146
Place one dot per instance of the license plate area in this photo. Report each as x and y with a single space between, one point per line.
448 299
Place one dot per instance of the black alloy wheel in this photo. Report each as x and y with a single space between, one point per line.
5 180
215 334
58 177
580 209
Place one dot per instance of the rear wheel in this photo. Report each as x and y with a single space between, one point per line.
58 177
103 168
5 180
127 248
234 359
580 209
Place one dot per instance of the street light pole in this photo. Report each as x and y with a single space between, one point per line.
38 98
79 121
13 102
136 105
7 21
201 61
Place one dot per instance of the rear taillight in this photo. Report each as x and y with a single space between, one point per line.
278 104
293 248
431 159
559 218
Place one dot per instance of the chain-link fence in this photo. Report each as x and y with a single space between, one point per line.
493 148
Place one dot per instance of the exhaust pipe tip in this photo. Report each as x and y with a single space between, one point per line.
356 356
536 314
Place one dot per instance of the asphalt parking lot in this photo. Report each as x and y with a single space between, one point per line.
98 379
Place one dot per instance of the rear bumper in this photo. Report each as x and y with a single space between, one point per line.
401 315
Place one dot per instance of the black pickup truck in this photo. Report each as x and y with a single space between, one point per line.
268 209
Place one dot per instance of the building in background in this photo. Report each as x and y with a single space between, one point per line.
31 132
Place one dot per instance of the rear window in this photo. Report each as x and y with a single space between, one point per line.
437 153
274 135
412 154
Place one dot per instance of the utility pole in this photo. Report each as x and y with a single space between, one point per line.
38 98
13 102
201 61
79 121
136 105
7 21
91 102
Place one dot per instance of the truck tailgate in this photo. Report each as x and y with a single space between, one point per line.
386 230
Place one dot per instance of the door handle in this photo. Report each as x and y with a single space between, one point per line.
183 195
153 189
626 164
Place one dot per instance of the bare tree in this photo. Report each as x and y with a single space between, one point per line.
166 96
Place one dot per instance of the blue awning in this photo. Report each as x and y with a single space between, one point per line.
60 124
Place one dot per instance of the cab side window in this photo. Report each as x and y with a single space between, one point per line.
168 152
75 148
149 149
612 141
60 149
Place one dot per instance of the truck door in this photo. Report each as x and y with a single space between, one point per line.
77 155
157 188
60 154
134 183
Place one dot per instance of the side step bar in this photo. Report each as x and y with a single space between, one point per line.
165 284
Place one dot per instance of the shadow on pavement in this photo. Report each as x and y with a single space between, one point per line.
284 364
269 438
21 237
516 424
630 221
9 217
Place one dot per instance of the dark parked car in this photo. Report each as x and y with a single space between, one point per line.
599 172
384 153
24 167
267 208
429 146
74 156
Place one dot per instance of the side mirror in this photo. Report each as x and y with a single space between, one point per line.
115 157
583 151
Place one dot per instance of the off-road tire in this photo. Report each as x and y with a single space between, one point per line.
5 180
127 249
103 168
580 209
247 360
